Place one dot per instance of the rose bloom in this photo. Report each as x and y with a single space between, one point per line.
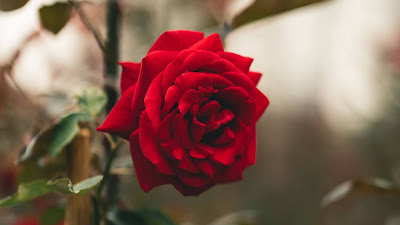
189 111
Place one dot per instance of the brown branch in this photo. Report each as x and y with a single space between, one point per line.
88 25
79 208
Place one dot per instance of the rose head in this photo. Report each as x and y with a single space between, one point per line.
189 111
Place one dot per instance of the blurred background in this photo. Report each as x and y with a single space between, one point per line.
331 70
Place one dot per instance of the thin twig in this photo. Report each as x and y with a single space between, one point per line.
88 25
106 172
20 90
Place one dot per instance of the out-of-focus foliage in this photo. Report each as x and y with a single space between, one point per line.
362 187
143 216
264 8
8 5
54 17
34 189
92 101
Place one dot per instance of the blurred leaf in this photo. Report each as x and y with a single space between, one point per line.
38 147
33 170
139 217
8 5
225 11
264 8
52 216
65 131
34 189
154 217
248 217
26 192
123 217
92 101
363 187
54 17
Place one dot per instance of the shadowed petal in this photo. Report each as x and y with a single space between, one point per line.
120 120
129 75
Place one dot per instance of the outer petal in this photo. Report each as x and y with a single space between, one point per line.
120 120
211 43
146 173
151 148
254 76
241 62
129 75
176 40
152 65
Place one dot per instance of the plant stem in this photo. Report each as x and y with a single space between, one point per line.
88 24
78 162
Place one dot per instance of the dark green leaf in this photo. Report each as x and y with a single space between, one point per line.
65 131
54 17
34 189
124 217
140 217
154 217
363 187
52 216
92 101
8 5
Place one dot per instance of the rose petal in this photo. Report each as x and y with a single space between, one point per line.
254 76
241 62
240 103
186 163
219 119
186 101
260 100
226 137
197 130
171 98
219 66
226 155
176 40
120 120
197 60
146 173
164 132
211 43
192 80
154 63
173 70
209 108
192 191
151 148
205 167
193 180
153 102
129 75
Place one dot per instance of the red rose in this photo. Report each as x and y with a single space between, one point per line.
189 110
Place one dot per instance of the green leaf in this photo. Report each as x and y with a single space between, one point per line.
8 5
37 188
65 131
54 17
363 187
85 186
142 216
52 216
92 101
26 192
